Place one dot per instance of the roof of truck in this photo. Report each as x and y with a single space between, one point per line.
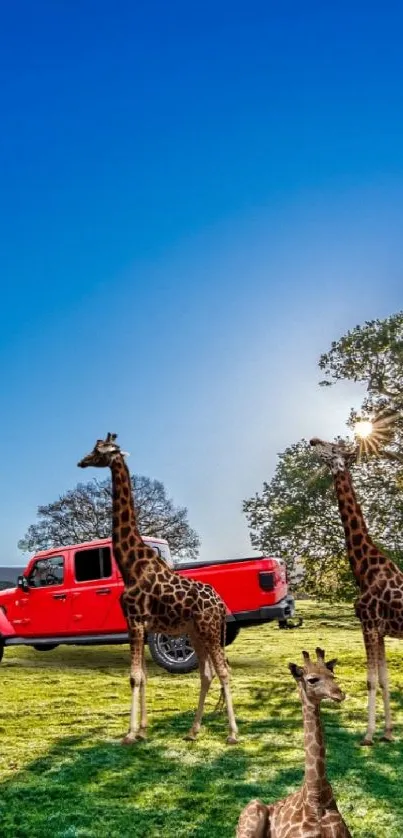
98 541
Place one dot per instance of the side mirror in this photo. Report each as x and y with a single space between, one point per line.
22 583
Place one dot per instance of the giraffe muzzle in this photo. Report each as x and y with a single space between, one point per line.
83 463
338 696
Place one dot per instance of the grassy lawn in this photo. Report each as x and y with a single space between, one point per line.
63 773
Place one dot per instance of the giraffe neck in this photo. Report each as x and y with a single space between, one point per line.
126 539
315 770
358 540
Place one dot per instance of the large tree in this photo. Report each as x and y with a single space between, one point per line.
296 513
85 513
373 355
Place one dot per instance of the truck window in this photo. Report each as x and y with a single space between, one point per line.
162 550
47 572
95 563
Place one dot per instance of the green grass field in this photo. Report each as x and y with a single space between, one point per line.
64 774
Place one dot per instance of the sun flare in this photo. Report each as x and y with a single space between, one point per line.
363 428
373 434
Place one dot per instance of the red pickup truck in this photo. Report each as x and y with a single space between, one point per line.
71 595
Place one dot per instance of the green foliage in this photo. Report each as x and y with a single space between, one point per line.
85 513
63 773
296 514
373 355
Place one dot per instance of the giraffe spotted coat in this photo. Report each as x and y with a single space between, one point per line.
379 606
156 599
310 812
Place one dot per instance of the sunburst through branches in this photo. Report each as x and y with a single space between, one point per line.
372 434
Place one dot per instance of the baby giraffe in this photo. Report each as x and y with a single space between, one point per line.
310 812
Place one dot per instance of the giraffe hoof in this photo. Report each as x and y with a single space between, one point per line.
132 738
190 737
232 740
366 741
387 737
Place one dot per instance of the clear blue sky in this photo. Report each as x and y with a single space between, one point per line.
196 198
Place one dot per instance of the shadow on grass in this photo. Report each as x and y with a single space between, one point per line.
186 790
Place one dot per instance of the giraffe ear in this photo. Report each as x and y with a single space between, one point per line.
331 664
296 671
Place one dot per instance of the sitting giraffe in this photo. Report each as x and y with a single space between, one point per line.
156 599
310 812
379 606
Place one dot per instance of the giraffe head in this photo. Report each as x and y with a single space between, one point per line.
103 453
315 678
336 455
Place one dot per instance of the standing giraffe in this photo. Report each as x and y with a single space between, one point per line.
156 599
310 812
379 606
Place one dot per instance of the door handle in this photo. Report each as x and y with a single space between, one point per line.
59 596
103 591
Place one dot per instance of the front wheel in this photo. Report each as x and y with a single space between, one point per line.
175 654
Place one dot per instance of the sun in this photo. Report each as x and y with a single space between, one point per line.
363 428
373 434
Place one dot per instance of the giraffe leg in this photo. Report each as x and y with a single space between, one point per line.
371 648
253 821
206 677
383 680
142 734
221 668
137 683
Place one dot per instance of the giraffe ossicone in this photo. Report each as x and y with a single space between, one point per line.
156 599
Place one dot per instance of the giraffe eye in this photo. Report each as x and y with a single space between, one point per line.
313 680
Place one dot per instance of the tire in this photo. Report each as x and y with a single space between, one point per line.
45 647
1 650
175 654
231 633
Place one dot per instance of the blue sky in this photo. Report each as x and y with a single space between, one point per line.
196 198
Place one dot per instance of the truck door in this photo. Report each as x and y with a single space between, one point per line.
43 611
95 589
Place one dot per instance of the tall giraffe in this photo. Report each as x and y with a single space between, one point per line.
156 599
379 606
312 810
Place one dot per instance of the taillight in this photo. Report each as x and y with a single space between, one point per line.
266 580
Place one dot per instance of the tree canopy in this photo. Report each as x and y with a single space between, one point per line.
85 513
296 514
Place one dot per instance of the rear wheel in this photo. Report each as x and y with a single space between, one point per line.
175 654
231 633
1 650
